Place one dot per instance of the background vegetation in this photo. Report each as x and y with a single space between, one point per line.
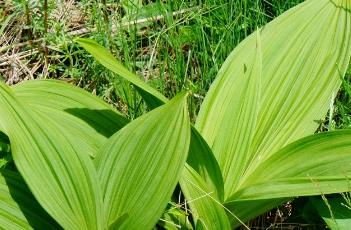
173 45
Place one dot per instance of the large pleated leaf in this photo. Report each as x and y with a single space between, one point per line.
61 96
18 207
85 119
140 165
315 165
336 212
317 42
152 97
55 99
228 115
305 52
46 96
62 179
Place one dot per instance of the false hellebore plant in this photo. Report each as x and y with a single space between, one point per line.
84 166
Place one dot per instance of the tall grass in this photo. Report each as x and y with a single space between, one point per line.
181 47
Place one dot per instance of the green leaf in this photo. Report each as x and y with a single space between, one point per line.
199 156
46 159
61 96
18 208
227 118
334 211
85 119
315 165
152 97
55 99
140 165
319 53
205 206
118 222
304 52
202 185
202 160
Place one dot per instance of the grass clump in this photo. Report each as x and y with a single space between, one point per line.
174 45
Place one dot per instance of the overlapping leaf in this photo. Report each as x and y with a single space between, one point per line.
205 205
140 165
202 185
201 159
82 117
61 96
289 173
317 42
46 159
304 53
54 99
59 102
200 156
306 47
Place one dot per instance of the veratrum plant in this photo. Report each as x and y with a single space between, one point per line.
82 167
259 115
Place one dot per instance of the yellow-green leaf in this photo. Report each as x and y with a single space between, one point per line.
206 207
202 185
228 115
140 165
315 165
305 52
85 119
62 179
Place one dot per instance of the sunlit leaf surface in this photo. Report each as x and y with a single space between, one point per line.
141 164
62 178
